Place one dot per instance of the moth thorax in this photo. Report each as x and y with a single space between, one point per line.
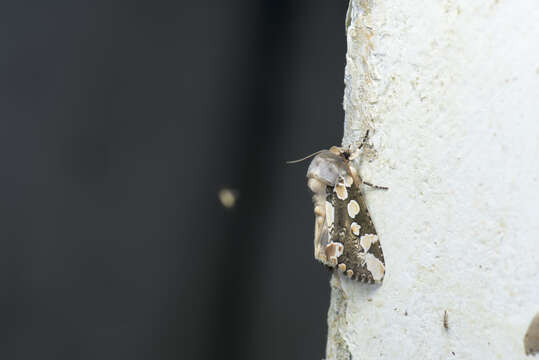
326 167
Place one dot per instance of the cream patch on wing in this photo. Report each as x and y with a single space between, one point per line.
375 267
340 190
355 228
367 240
330 215
333 251
353 208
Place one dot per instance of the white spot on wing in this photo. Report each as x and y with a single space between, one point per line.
353 208
375 267
339 248
367 240
355 228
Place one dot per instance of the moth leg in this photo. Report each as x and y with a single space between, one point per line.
356 152
364 140
379 187
375 186
358 180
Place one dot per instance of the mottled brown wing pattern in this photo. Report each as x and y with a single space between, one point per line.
360 257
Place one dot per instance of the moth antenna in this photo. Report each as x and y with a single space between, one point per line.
305 158
355 153
364 140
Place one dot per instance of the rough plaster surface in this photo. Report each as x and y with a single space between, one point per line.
450 91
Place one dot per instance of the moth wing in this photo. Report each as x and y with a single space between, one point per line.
323 172
361 257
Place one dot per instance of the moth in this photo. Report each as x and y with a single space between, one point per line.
445 320
345 238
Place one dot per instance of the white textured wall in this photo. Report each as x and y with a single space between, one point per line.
450 91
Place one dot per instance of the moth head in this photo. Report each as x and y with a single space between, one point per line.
351 152
328 165
348 153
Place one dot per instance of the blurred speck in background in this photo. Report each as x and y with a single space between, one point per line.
228 197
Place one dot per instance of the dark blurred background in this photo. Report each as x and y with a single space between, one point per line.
120 121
